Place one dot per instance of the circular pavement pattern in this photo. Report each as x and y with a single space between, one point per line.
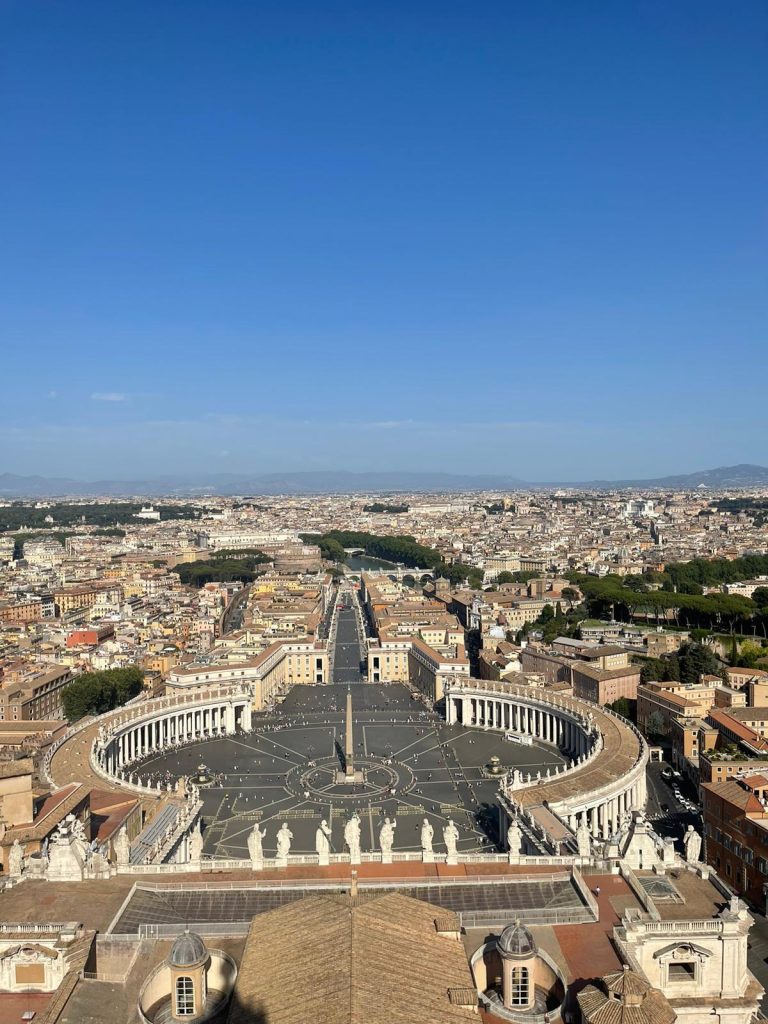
285 771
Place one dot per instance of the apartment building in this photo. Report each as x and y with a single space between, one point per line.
736 833
659 703
34 694
604 685
429 671
720 765
540 662
271 673
688 738
22 610
86 596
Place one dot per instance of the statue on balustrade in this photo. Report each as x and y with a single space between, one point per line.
583 837
196 844
16 859
323 841
255 848
284 837
692 843
514 838
427 833
122 848
451 839
352 837
387 836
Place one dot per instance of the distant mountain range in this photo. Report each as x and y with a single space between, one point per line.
320 482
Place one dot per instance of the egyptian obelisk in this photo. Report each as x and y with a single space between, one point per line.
349 746
349 775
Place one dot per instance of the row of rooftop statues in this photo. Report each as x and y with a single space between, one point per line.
352 834
68 855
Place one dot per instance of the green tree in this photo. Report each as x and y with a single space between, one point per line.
655 725
624 707
93 693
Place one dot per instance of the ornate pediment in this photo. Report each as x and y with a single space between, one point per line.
29 953
682 951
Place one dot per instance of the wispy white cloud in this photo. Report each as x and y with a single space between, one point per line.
108 396
388 424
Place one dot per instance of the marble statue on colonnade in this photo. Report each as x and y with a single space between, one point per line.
255 848
16 859
427 833
451 839
583 838
514 839
387 839
196 845
692 843
352 837
284 837
122 848
323 842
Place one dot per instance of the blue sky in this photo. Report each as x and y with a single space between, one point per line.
515 237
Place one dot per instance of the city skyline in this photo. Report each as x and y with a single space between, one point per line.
255 240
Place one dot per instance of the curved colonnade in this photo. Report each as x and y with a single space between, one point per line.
168 722
605 777
105 748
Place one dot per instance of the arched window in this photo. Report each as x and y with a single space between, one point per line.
185 997
519 994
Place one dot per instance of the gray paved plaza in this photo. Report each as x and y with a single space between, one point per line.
284 770
414 765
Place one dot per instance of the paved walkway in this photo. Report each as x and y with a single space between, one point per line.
588 949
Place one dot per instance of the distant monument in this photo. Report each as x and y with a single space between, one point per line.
347 775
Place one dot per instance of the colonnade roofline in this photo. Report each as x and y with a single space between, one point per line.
606 777
106 730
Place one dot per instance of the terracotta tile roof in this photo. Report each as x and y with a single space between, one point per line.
339 960
10 769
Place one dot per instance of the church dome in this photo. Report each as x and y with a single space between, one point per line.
188 950
516 941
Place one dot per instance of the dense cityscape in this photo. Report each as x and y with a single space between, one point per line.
546 710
